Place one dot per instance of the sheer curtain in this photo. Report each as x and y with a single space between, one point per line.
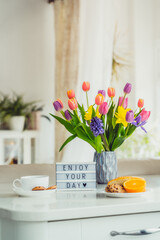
96 33
95 45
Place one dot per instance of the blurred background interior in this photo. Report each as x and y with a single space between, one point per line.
49 48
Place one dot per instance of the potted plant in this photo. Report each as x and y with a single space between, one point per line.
4 99
105 125
14 111
33 120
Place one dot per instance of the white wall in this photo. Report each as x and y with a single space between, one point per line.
27 53
27 58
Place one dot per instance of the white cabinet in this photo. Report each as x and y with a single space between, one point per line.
24 141
82 229
64 230
100 228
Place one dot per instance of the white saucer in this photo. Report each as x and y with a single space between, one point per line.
42 193
125 195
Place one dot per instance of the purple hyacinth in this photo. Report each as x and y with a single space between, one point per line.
96 126
137 123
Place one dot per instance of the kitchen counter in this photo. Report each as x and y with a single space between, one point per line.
77 204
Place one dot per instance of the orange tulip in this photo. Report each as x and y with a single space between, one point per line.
72 103
111 92
86 86
99 99
70 93
140 103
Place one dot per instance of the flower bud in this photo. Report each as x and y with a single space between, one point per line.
99 99
67 115
127 88
130 116
103 108
86 86
140 103
125 102
111 92
102 92
58 105
72 103
145 115
71 93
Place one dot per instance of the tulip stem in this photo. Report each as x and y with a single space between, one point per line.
87 99
123 99
105 142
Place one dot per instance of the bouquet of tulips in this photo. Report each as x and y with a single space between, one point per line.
105 125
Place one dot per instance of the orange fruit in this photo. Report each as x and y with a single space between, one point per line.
121 180
135 185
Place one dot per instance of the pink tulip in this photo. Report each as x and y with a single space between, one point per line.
125 102
145 115
72 103
103 108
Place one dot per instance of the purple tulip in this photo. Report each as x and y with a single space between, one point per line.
67 115
130 116
57 105
102 92
103 108
127 88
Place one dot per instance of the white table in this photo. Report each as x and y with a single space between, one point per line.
26 137
78 215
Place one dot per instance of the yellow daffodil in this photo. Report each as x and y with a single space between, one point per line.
121 116
88 114
97 113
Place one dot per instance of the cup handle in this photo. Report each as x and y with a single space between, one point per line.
14 183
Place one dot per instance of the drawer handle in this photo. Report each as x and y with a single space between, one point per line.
135 233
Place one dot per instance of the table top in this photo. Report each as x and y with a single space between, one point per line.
76 204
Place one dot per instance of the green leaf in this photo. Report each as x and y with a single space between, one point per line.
98 143
131 129
117 142
81 108
82 135
114 122
67 141
65 123
86 129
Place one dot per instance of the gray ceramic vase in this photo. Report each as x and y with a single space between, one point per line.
106 166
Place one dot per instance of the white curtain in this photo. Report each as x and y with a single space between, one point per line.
95 62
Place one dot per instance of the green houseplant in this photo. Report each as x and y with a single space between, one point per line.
13 110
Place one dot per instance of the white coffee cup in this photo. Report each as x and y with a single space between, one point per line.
29 182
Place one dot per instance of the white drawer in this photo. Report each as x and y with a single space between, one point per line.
100 228
64 230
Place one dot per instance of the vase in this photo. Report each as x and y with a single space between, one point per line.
34 121
16 123
106 166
